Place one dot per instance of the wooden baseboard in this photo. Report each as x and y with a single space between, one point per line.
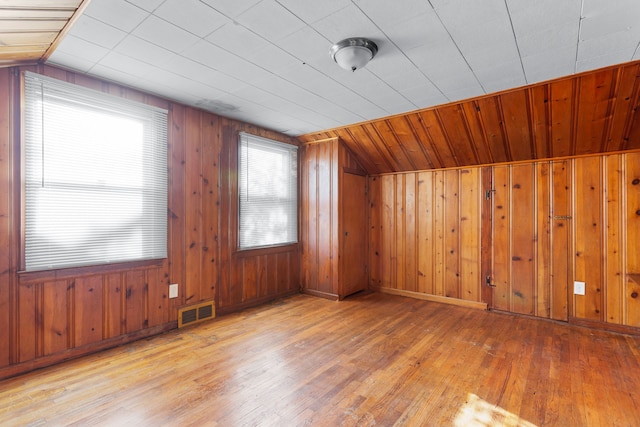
73 353
434 298
255 302
325 295
609 327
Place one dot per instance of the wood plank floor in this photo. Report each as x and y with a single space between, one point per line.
369 360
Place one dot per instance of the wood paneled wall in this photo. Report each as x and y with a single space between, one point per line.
425 233
323 165
550 223
253 276
50 316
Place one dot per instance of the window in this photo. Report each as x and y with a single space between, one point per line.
95 177
268 192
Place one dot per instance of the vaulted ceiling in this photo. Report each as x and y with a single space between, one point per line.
594 112
455 82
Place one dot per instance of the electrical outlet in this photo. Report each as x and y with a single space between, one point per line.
173 290
578 288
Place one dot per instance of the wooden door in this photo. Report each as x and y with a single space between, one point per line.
353 235
530 217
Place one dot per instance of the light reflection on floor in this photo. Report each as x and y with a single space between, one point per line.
477 412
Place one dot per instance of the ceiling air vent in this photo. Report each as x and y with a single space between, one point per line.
196 313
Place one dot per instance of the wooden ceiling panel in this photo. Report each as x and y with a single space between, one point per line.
562 117
516 121
593 112
453 124
423 138
476 131
493 130
407 138
30 29
626 96
540 125
594 108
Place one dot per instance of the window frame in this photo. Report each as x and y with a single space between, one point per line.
90 267
275 247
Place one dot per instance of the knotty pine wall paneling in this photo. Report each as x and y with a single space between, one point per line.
629 237
248 277
324 164
8 254
425 234
589 257
53 315
550 223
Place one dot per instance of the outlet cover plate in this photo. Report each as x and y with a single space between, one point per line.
578 288
173 290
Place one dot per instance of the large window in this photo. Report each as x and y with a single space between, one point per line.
95 177
268 192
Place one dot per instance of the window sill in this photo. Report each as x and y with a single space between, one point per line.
265 250
27 277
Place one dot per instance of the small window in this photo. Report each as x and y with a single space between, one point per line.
95 177
268 192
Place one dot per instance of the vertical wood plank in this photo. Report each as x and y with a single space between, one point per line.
632 190
249 267
388 243
562 268
136 300
522 258
309 214
470 204
158 298
399 221
27 322
588 238
452 233
439 231
501 238
411 233
7 278
210 205
193 215
55 317
614 283
375 231
88 306
543 242
176 202
325 219
114 301
486 234
425 235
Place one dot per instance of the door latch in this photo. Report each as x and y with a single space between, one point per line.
488 281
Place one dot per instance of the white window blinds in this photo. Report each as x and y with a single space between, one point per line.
268 192
95 177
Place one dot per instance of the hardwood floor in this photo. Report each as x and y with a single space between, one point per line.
371 359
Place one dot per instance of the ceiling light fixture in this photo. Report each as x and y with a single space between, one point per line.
353 53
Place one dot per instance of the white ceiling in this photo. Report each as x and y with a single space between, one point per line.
267 61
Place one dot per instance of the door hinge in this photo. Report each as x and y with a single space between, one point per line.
488 282
487 194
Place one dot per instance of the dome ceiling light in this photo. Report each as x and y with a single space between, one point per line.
353 53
